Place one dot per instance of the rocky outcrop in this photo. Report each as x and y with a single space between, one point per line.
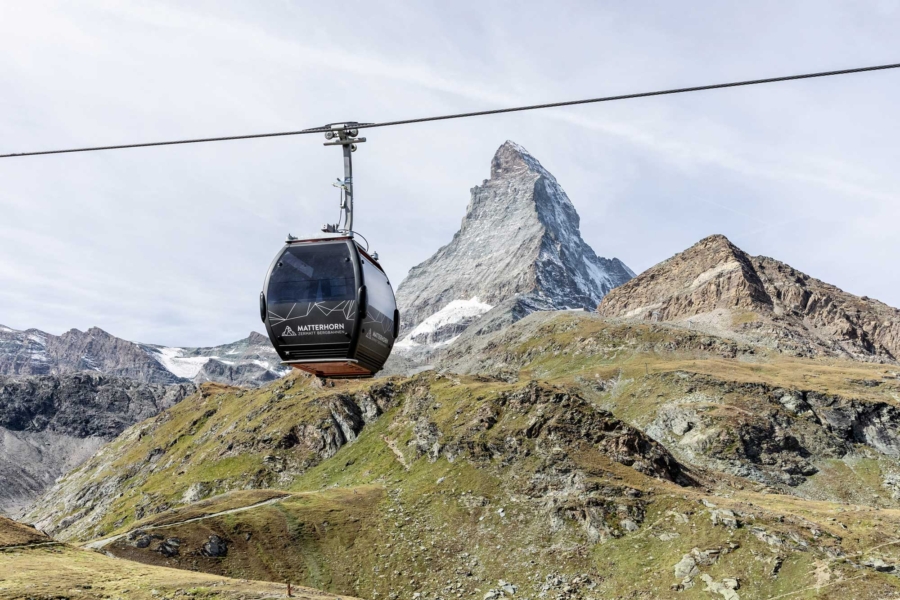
50 424
520 240
716 286
775 436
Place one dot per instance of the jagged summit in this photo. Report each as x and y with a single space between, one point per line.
511 158
714 284
519 238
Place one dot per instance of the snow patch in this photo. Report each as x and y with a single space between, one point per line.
406 343
457 311
177 364
38 338
268 367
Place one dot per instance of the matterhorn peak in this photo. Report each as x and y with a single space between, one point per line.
518 242
512 159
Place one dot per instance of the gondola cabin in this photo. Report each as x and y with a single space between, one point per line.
329 308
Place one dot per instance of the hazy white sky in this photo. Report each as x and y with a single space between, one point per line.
170 245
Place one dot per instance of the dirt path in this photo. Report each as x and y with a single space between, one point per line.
392 444
34 545
101 543
823 575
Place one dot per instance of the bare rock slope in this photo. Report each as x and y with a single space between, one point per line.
50 424
716 286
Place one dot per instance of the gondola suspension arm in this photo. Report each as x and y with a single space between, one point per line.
346 137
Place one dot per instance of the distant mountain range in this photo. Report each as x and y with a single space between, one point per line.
251 361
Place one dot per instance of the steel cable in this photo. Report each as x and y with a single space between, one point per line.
480 113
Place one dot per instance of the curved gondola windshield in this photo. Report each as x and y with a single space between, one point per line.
381 298
379 324
314 273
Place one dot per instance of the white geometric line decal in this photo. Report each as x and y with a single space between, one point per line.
382 321
345 307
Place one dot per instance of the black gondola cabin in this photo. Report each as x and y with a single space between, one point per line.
329 308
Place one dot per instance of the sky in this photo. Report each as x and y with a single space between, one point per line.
171 245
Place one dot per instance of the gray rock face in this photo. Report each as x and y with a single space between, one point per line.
519 239
50 424
62 397
216 547
249 362
782 441
82 404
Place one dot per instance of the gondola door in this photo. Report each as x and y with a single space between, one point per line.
378 331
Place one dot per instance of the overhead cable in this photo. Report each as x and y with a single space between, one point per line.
496 111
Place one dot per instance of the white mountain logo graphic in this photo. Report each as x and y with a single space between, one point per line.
288 332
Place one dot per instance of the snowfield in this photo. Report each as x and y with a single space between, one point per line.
457 311
177 364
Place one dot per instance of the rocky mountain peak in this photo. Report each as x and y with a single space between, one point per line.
717 286
712 274
257 338
518 242
511 159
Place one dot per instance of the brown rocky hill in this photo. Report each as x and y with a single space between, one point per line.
717 287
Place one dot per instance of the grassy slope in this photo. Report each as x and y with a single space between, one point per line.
34 567
419 535
17 534
381 517
635 370
63 572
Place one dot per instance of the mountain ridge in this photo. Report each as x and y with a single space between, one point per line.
62 397
716 285
249 361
